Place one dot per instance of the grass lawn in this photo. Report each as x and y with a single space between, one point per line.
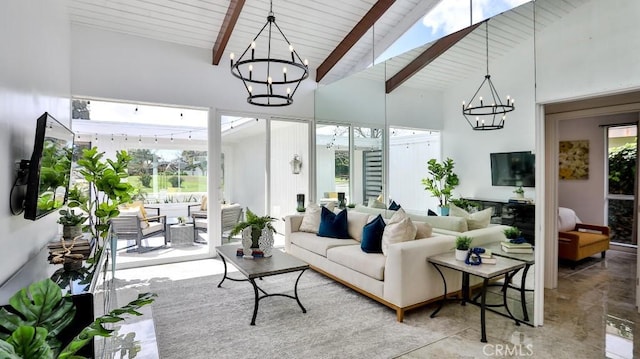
187 184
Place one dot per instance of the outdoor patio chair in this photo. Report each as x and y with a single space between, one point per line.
198 210
230 215
131 226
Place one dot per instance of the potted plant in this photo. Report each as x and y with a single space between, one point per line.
514 235
519 192
463 243
257 223
71 223
441 182
181 221
106 188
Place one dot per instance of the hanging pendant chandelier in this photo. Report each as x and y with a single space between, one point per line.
487 113
270 81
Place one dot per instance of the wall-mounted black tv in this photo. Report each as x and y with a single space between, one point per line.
513 169
49 168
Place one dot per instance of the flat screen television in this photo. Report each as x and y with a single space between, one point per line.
49 168
513 169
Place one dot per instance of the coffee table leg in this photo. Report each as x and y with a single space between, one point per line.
225 271
295 291
444 297
485 283
257 300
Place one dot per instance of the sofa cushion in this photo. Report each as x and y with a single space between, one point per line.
432 213
375 203
319 245
311 220
333 225
355 223
372 236
567 219
352 257
374 211
423 230
476 220
203 204
400 228
449 223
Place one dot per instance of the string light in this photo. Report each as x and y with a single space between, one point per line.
156 139
112 137
139 138
172 137
96 137
189 135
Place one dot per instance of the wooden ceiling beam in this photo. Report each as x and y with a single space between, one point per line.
229 22
361 28
425 58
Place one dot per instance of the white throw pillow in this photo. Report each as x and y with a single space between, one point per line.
311 220
374 203
567 219
398 229
476 220
356 222
423 230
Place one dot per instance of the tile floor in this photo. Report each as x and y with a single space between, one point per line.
591 314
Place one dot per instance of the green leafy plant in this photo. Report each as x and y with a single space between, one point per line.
519 191
42 313
70 218
256 223
512 233
441 181
105 189
463 243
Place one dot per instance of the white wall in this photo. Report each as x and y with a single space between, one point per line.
592 51
587 197
118 66
34 78
288 139
352 100
248 173
415 108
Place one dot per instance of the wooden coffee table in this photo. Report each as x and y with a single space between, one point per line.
278 263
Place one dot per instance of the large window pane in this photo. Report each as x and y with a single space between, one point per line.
622 154
332 163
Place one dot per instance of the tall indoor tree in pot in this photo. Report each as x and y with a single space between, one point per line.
106 189
441 182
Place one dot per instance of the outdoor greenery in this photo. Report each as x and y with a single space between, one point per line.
622 169
40 313
70 218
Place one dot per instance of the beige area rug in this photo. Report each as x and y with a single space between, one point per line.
196 319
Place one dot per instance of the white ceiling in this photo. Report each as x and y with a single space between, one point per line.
315 28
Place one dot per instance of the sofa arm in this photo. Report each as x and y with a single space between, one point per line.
291 224
592 228
484 236
410 279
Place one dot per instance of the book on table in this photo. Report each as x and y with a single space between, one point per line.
524 250
508 244
490 260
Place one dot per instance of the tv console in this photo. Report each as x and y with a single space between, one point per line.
89 286
521 215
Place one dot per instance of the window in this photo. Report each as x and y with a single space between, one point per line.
622 159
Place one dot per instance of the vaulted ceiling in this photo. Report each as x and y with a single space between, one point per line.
339 38
336 36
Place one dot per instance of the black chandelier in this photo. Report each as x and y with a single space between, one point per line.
273 86
490 113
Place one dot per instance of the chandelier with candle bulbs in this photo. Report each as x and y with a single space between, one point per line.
488 113
270 81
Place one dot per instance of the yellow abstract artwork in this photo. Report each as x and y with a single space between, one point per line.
574 160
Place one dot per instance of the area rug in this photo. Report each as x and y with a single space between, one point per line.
196 319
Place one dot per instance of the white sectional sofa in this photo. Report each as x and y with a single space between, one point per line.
402 279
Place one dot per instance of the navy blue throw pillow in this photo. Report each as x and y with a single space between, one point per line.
372 236
394 206
333 225
432 213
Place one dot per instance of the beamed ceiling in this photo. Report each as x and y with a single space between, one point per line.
339 38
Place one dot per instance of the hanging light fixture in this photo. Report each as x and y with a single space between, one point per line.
269 81
488 113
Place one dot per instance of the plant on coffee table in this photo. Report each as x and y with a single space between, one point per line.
256 223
